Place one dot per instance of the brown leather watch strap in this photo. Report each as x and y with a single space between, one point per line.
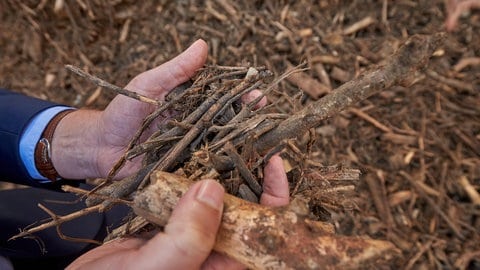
43 150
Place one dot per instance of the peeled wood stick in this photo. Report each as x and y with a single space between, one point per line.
413 55
263 237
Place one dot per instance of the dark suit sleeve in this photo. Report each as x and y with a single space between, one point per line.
16 111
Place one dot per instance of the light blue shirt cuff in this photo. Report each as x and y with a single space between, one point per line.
31 136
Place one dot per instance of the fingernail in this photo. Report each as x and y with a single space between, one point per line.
211 194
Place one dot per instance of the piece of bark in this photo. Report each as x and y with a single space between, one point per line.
263 237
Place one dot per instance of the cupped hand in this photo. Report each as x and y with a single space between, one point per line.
87 143
189 236
123 116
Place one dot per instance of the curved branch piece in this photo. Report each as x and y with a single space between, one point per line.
413 55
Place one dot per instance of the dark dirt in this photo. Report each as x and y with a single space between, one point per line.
418 146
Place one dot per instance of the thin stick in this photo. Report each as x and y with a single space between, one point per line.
363 23
179 91
434 205
110 86
59 220
129 228
243 169
370 119
61 234
80 191
169 158
270 87
451 82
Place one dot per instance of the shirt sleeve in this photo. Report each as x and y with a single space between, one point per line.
30 138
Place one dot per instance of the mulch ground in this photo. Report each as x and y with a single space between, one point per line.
418 147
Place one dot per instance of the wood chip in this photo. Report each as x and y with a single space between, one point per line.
470 189
125 30
309 85
340 74
399 139
363 23
466 62
325 59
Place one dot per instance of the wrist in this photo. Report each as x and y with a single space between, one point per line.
74 146
43 153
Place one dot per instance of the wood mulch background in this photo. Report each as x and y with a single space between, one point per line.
418 147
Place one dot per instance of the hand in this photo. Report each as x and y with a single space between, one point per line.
189 236
87 143
455 9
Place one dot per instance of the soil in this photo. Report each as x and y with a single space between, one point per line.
418 147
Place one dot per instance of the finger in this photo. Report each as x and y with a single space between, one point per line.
158 81
154 83
275 183
219 261
251 96
191 231
106 253
275 193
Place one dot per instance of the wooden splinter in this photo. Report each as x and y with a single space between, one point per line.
263 237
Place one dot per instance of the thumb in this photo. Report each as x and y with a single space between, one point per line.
158 81
191 231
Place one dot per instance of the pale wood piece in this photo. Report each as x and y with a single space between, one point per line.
263 237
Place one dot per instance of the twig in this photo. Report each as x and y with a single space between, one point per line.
270 87
110 86
61 234
121 188
178 92
79 191
463 261
370 119
419 254
434 205
244 126
206 81
59 220
379 198
149 145
169 158
191 119
243 169
363 23
451 82
128 228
